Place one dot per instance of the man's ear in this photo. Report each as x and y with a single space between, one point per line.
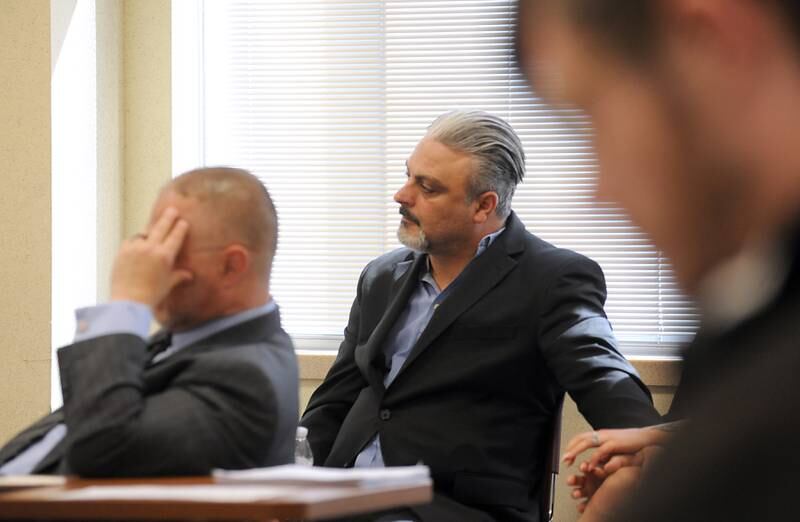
486 204
236 263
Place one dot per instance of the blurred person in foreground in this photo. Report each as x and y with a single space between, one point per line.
217 387
695 106
461 345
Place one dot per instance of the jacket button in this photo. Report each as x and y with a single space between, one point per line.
385 414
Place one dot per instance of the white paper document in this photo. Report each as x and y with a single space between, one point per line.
189 493
30 481
362 477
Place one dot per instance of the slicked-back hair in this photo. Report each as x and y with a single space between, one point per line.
245 209
492 142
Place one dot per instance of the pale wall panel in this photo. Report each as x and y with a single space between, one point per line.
24 213
147 95
110 137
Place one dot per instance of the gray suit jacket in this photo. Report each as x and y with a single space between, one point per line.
228 401
477 394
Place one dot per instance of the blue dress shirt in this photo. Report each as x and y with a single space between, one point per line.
412 321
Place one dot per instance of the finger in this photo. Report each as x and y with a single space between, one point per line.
576 446
579 494
575 480
599 473
580 440
159 230
586 467
174 240
626 441
606 451
619 461
602 454
576 440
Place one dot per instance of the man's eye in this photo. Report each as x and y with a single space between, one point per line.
426 189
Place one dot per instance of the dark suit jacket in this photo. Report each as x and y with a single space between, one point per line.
738 457
228 401
478 392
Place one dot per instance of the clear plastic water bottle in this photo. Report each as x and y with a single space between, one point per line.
302 449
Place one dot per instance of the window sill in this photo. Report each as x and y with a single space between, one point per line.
655 371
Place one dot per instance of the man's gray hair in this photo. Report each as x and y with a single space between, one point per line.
495 146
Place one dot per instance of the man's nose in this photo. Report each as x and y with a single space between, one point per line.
403 195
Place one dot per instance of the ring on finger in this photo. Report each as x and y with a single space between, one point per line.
595 439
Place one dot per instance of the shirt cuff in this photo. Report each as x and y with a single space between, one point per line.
116 317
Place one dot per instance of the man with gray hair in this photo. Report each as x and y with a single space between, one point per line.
460 347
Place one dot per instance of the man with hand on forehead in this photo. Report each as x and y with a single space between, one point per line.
217 387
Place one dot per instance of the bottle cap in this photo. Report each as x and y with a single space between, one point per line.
302 431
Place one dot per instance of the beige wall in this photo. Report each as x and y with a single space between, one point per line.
661 376
133 158
148 113
110 134
24 212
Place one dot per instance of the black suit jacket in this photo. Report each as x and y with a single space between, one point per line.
479 389
227 401
738 457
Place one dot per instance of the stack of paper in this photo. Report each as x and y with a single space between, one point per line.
188 493
30 481
360 477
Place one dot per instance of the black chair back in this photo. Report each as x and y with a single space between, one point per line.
551 466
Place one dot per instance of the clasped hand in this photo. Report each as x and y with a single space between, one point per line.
612 472
144 269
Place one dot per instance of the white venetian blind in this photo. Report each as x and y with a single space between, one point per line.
324 100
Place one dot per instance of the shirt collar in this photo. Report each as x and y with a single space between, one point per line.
485 242
184 339
742 285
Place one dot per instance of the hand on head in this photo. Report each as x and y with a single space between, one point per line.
144 269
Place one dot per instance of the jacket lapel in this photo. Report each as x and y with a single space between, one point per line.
157 375
31 435
54 461
481 275
369 357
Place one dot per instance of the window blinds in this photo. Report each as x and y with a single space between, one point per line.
324 100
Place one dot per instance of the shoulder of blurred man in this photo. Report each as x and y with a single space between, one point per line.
736 459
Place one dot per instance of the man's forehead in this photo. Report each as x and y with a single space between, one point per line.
431 156
169 198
